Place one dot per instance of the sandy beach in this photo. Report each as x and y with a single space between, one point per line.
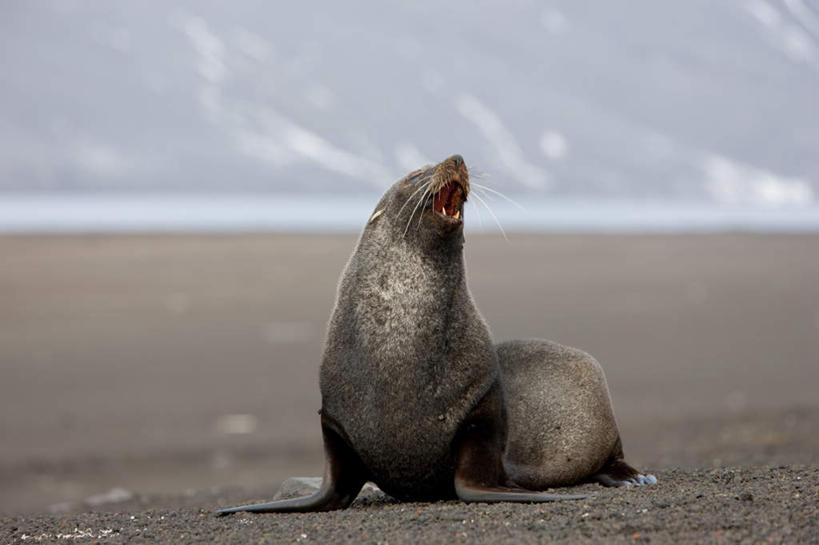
146 380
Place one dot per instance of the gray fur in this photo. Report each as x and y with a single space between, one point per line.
561 424
409 358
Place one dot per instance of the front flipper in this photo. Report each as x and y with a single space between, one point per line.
344 475
479 472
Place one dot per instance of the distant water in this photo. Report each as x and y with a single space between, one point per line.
105 213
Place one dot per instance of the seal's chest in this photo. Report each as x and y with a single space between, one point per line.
409 459
400 308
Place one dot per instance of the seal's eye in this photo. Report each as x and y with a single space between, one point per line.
415 177
449 200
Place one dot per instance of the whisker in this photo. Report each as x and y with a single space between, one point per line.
477 174
477 211
422 186
493 215
499 194
421 199
421 215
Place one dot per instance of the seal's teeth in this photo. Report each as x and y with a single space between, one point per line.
457 215
444 209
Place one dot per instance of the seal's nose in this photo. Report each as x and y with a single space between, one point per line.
458 160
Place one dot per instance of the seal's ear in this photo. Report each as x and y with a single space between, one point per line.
375 216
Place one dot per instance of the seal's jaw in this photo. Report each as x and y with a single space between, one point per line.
448 202
451 188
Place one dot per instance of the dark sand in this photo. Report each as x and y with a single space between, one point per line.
120 357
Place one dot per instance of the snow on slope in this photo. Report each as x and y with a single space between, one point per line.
697 100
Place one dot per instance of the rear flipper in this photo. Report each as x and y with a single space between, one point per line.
344 476
479 473
617 472
470 492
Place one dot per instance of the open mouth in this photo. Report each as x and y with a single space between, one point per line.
449 201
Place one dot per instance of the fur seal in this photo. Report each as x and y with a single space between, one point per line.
415 396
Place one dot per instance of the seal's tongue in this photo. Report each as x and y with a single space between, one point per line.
449 200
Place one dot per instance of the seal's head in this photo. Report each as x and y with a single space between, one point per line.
429 200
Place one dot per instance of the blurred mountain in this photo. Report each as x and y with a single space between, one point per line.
696 100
